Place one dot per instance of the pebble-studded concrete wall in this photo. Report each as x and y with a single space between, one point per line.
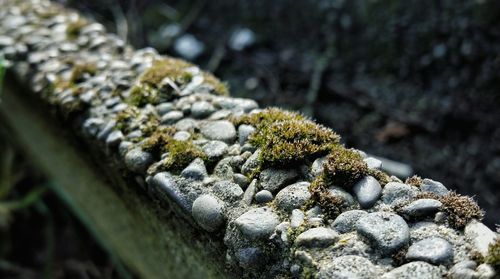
284 196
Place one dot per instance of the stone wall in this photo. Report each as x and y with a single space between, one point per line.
274 191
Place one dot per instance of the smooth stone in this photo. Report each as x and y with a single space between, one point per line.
296 218
293 196
346 267
346 221
163 185
257 223
395 193
164 108
222 130
373 163
186 124
251 164
228 191
251 257
138 160
171 117
223 169
480 236
241 180
235 104
367 191
208 212
317 237
436 187
106 130
421 270
215 149
341 193
485 271
250 192
421 207
202 109
114 138
263 196
274 179
195 170
387 231
317 166
434 250
244 132
463 270
182 136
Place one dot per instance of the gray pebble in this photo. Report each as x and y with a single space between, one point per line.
241 180
367 190
341 193
463 270
429 185
171 117
387 231
202 109
251 164
250 192
345 267
222 130
186 124
434 250
138 160
395 193
274 179
293 196
296 218
373 163
249 258
317 166
317 237
263 196
182 136
346 221
228 191
421 207
215 150
257 223
244 131
163 185
208 212
164 108
480 236
421 270
195 170
114 138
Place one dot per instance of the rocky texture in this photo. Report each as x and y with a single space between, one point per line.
170 126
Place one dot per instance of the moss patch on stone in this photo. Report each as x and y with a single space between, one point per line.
180 154
343 167
266 117
414 181
493 257
81 70
73 29
159 140
331 205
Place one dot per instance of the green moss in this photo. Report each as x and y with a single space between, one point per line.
80 70
331 205
124 118
173 68
292 142
493 257
220 88
343 167
266 117
382 177
157 142
459 209
140 95
180 154
74 28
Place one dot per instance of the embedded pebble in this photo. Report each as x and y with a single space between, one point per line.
373 163
367 190
251 257
186 124
346 221
222 130
257 223
263 196
296 218
182 136
421 207
164 185
316 237
164 108
114 138
429 185
244 132
317 166
480 236
387 231
202 109
345 196
228 191
434 250
251 164
421 270
171 117
138 160
293 196
195 170
208 212
215 149
274 179
241 180
344 267
463 270
395 193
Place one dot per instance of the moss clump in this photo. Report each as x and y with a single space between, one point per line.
220 88
180 154
292 142
266 117
73 29
80 70
493 257
382 177
125 117
159 139
331 205
343 167
172 68
459 209
414 181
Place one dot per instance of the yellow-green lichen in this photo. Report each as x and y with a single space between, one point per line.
343 167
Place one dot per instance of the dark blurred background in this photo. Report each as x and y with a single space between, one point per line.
415 81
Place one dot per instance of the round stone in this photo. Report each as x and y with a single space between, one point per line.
257 223
171 117
414 270
186 124
274 179
228 190
138 160
251 257
395 193
317 237
387 231
373 163
263 196
215 149
340 193
434 250
182 136
202 109
222 130
293 196
208 212
317 166
421 207
244 131
367 191
195 170
164 108
346 221
296 218
436 187
344 267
